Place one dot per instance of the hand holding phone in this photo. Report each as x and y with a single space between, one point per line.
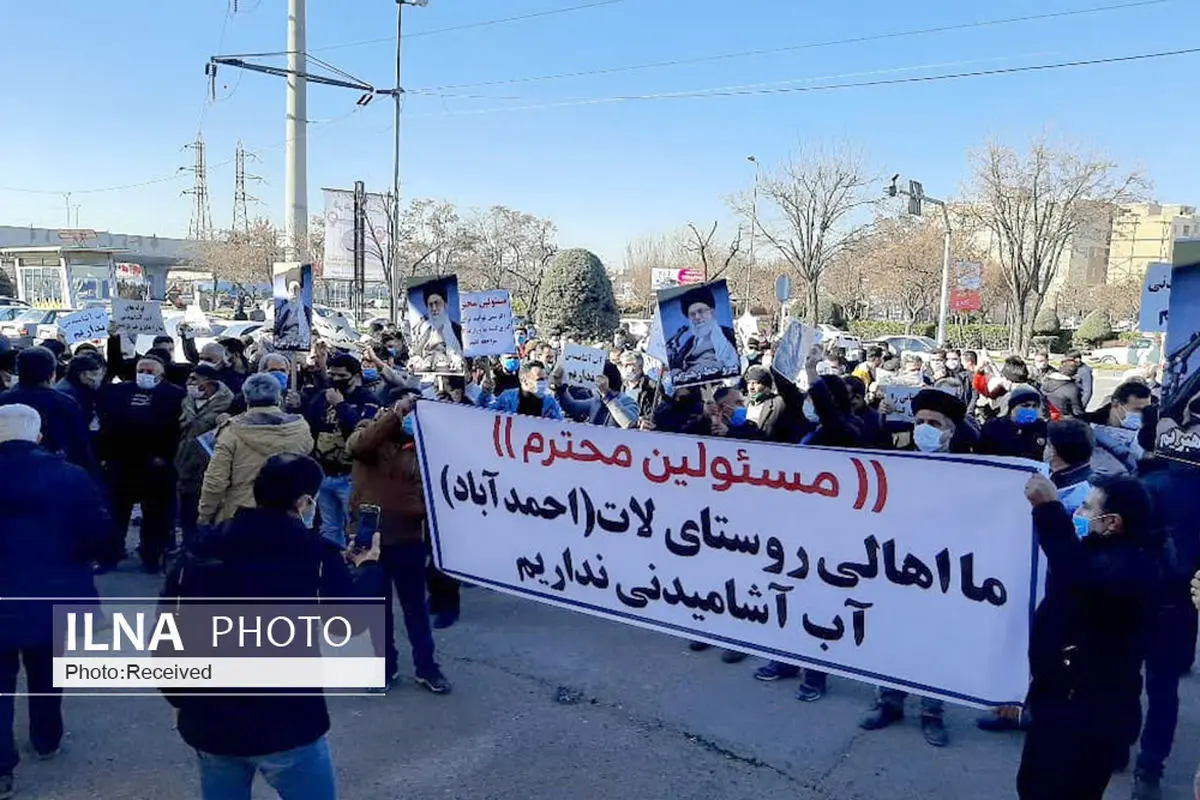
368 526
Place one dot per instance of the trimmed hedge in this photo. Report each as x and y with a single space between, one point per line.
974 336
873 329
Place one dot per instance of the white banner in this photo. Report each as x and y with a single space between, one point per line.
339 236
84 326
900 396
792 349
818 556
138 317
487 324
582 365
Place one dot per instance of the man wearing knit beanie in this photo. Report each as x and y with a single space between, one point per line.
46 546
64 430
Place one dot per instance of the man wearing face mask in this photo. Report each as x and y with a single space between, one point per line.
64 428
267 551
1020 431
244 443
139 428
1117 424
532 399
768 410
218 356
333 415
207 400
1088 637
607 406
387 474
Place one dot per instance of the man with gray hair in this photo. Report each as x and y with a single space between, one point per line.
244 444
54 562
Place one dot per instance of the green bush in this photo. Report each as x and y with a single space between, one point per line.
1130 336
973 337
1047 322
576 297
874 329
1094 328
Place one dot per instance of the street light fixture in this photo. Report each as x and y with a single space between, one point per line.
397 95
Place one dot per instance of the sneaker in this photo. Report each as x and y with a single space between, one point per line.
935 731
50 756
732 657
391 683
444 620
809 693
696 647
1146 788
880 716
435 682
6 787
774 671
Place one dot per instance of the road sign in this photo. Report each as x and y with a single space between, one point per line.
687 276
783 288
76 235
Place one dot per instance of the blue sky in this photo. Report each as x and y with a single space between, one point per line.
107 94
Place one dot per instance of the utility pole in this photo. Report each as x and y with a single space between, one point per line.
916 200
397 104
295 185
753 229
67 200
200 227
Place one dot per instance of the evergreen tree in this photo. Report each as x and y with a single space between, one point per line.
1094 328
576 297
1047 321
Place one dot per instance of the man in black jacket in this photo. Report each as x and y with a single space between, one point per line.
267 551
139 428
1088 637
767 409
1061 389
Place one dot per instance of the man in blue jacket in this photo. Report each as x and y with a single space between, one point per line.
608 406
46 548
64 429
531 399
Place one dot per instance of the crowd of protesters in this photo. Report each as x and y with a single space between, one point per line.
255 457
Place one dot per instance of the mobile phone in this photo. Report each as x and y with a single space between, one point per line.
368 525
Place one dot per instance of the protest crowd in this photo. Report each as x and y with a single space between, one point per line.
269 462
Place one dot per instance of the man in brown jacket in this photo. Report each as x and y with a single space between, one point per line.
386 474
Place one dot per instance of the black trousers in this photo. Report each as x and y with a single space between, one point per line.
1170 655
1067 757
154 489
443 591
45 712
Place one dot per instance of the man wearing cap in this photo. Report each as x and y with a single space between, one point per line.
703 347
139 429
64 430
53 520
208 398
1020 430
766 409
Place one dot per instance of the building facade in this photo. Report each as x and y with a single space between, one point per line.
1145 233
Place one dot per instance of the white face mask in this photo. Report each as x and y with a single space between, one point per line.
540 388
929 439
146 381
195 392
309 514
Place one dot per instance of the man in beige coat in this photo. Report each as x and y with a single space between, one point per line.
244 443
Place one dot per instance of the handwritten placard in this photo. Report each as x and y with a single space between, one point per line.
84 326
900 396
792 349
138 317
582 365
690 536
487 324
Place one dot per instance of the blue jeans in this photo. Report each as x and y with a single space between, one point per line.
304 773
404 566
333 501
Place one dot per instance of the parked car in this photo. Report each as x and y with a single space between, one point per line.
1142 350
22 330
899 345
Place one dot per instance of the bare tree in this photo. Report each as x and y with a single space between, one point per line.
316 243
700 247
510 250
434 240
244 259
1033 205
808 213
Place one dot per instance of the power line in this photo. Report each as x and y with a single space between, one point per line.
486 23
742 92
806 46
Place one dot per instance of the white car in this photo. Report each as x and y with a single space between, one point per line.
24 329
1142 350
899 345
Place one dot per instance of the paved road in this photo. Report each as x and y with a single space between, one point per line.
551 704
1104 382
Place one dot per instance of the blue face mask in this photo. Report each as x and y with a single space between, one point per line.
738 419
1025 416
309 515
1083 525
511 364
370 374
1132 421
407 424
281 378
393 352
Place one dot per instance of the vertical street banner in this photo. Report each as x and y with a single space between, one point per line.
815 556
966 292
435 326
340 236
701 343
487 324
292 292
1156 299
1179 416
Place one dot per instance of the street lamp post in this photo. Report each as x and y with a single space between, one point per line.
397 101
753 229
915 193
